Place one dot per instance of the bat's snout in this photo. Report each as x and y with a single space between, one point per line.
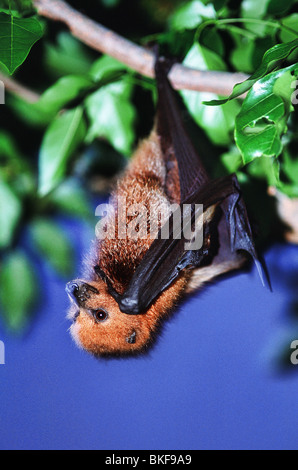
80 291
72 288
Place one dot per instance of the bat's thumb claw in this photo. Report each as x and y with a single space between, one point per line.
263 274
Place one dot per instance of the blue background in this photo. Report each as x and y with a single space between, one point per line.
213 380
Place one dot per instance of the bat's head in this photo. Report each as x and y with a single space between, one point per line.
102 329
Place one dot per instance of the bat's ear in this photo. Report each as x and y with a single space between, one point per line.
132 338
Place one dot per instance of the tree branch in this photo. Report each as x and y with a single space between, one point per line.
18 89
137 58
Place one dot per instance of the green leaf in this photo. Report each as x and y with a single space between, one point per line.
190 15
31 115
16 39
105 65
7 147
110 3
270 60
255 9
249 51
289 170
51 242
264 114
290 22
18 290
10 213
69 197
112 115
218 123
60 141
232 160
262 45
62 92
15 170
265 168
242 56
24 4
276 7
67 57
290 167
290 190
219 5
17 7
43 111
211 39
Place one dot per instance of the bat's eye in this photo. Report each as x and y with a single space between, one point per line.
99 315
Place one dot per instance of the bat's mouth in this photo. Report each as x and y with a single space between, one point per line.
78 292
73 312
75 316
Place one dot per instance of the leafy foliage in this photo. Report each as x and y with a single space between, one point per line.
61 139
20 290
217 123
264 115
48 165
17 36
44 235
270 61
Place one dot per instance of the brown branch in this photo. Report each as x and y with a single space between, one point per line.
18 89
137 58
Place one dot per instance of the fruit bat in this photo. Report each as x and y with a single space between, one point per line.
132 283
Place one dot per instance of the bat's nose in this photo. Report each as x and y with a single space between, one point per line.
72 288
80 291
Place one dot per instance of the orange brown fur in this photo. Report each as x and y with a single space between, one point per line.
147 181
143 182
110 337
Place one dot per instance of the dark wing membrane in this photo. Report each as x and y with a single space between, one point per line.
174 137
241 236
165 259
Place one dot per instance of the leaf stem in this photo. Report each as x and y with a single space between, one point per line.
224 21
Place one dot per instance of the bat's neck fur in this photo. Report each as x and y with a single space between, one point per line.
147 181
